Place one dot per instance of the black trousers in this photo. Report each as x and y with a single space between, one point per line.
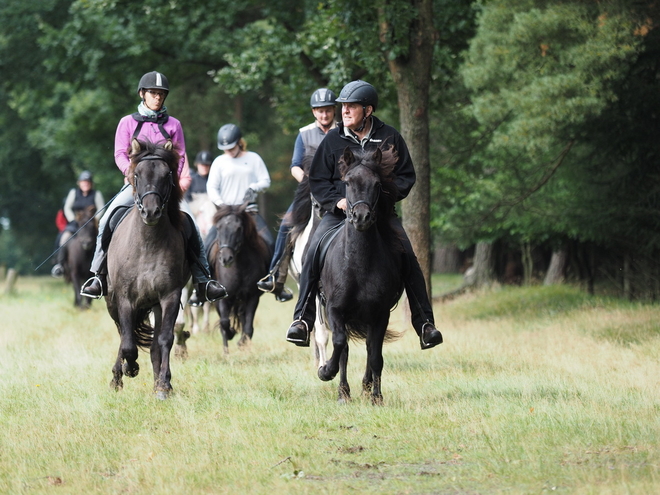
420 306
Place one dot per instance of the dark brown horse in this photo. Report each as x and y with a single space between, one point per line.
362 276
239 257
147 266
79 253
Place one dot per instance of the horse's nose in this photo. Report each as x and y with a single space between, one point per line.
150 216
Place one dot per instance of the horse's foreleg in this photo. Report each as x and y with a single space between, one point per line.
321 336
344 390
162 345
128 351
206 310
339 341
117 383
248 319
375 362
224 310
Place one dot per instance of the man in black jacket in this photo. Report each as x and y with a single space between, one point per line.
359 129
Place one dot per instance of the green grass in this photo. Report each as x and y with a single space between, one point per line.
535 390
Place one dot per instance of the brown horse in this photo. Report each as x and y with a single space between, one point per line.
147 266
79 253
238 257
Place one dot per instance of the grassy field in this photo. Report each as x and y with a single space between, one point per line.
535 390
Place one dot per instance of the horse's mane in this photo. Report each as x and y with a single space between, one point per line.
171 158
252 237
302 201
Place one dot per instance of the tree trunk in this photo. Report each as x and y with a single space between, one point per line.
557 269
627 277
484 271
411 73
446 259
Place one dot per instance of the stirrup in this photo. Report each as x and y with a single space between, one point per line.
87 284
269 278
299 343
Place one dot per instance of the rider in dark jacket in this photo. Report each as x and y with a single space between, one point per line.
359 129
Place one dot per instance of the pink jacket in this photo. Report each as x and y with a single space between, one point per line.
151 132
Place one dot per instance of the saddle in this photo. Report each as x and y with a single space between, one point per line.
190 240
323 246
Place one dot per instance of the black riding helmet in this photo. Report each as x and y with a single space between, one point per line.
85 175
204 157
228 136
359 92
153 80
322 97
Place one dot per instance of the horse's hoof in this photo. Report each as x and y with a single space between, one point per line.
181 337
244 341
116 385
231 333
377 400
181 352
325 375
131 371
162 395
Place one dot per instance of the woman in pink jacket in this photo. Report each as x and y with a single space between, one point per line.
151 123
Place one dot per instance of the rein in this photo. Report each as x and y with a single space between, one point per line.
165 199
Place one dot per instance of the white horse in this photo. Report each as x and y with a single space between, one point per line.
321 332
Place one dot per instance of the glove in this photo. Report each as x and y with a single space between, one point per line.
250 196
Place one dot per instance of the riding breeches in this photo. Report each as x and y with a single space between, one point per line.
199 267
413 278
280 242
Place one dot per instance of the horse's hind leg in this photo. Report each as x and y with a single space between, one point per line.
344 389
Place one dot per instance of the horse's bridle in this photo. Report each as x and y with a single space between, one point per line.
164 200
235 248
372 207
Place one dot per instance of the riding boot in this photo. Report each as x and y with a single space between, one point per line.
97 286
58 269
206 289
305 311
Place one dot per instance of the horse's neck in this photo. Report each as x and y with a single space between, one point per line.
152 234
367 243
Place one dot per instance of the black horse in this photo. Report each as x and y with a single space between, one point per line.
362 278
79 253
147 266
238 258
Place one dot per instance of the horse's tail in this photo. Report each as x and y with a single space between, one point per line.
144 332
357 330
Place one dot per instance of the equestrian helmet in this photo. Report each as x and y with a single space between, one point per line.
359 92
85 175
153 80
228 136
204 157
322 97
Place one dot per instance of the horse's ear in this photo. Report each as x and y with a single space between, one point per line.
378 155
348 156
345 161
135 146
168 145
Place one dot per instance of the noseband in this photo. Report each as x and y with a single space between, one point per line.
165 199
